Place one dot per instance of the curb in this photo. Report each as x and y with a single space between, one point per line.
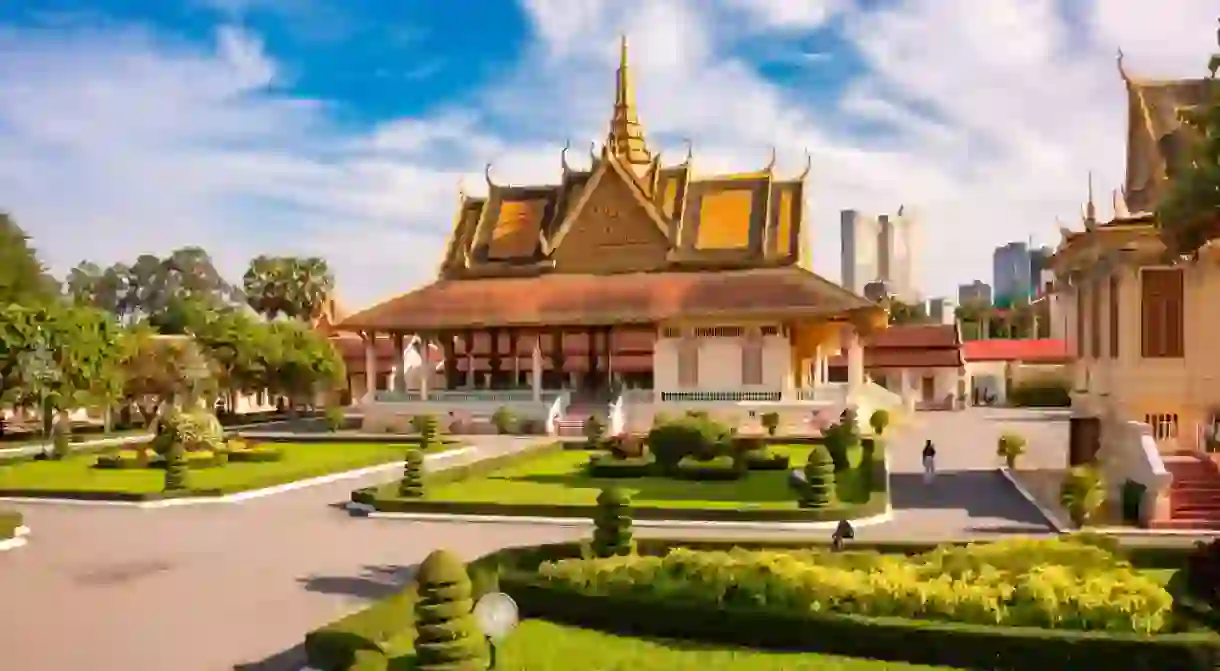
240 496
1137 532
1051 517
18 540
874 520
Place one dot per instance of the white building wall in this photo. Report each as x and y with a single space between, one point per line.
720 364
858 249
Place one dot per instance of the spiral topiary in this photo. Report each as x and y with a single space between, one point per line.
176 467
446 634
428 428
412 483
612 535
819 479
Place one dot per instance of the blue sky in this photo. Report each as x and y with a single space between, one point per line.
343 128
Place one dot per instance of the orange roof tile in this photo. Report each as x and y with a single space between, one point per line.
580 299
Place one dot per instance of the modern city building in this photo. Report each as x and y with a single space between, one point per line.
1010 268
880 248
977 292
941 310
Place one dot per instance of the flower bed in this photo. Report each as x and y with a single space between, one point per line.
383 628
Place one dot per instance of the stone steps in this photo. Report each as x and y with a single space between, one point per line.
1194 496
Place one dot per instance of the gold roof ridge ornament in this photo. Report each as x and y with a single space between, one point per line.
1121 211
808 166
690 150
593 153
461 185
563 157
1090 209
771 163
626 136
487 177
1122 71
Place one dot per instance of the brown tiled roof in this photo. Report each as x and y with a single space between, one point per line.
911 346
578 299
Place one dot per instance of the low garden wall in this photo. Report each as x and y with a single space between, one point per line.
514 571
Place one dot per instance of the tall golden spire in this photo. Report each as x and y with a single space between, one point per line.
626 138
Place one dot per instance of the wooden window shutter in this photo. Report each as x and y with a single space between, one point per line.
1081 296
1162 297
1095 320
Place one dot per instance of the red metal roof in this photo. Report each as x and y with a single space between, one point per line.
911 346
1042 350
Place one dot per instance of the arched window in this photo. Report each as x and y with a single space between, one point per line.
688 362
752 358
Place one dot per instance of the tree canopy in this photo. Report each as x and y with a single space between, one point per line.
294 287
1189 215
23 277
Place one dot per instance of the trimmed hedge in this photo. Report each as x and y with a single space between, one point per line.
607 466
194 460
9 521
1045 394
334 646
256 455
719 469
762 460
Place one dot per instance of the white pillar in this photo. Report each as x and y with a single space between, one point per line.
468 341
398 380
370 363
818 359
536 366
855 361
424 342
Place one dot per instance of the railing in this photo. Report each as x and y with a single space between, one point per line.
466 396
721 396
832 392
632 396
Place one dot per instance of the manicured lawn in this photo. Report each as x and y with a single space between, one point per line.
538 645
300 461
559 479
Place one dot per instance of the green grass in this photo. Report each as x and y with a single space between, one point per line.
538 645
559 478
300 461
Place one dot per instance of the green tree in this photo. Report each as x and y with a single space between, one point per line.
294 287
301 362
161 372
412 483
238 346
819 488
23 278
612 530
1189 214
446 635
906 313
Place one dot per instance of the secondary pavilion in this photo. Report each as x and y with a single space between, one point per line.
631 274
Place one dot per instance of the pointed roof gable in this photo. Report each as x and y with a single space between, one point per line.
610 166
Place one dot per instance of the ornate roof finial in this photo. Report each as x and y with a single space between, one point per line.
690 150
771 163
1122 71
626 137
1121 211
1090 209
593 151
487 176
808 166
563 156
461 180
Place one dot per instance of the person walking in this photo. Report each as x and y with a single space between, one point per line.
929 462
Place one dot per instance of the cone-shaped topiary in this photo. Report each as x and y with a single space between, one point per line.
412 483
819 479
446 634
428 428
176 468
612 535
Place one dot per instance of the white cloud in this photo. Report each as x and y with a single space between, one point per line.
113 143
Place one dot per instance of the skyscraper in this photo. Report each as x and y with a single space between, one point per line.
977 292
881 248
1011 276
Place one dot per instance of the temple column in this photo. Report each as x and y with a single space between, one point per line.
398 380
557 358
493 358
819 378
449 343
425 342
514 339
468 346
370 363
855 361
607 335
536 368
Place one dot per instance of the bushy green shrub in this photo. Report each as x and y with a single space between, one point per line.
765 460
1082 494
335 418
838 440
61 439
819 487
879 420
428 428
1010 447
609 466
724 467
594 429
1027 583
695 437
195 430
1201 576
254 455
1041 394
612 520
504 420
770 422
412 483
446 634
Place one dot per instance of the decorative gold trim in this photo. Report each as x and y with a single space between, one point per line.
609 162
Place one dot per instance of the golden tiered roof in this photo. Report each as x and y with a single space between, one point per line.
737 220
629 239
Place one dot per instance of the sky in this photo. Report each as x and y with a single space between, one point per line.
345 128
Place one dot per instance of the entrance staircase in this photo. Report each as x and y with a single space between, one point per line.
1194 496
572 423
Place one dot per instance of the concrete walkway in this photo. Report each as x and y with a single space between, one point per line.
217 587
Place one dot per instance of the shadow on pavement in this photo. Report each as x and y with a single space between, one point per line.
291 659
374 582
981 494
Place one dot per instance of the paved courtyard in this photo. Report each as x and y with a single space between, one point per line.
214 587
